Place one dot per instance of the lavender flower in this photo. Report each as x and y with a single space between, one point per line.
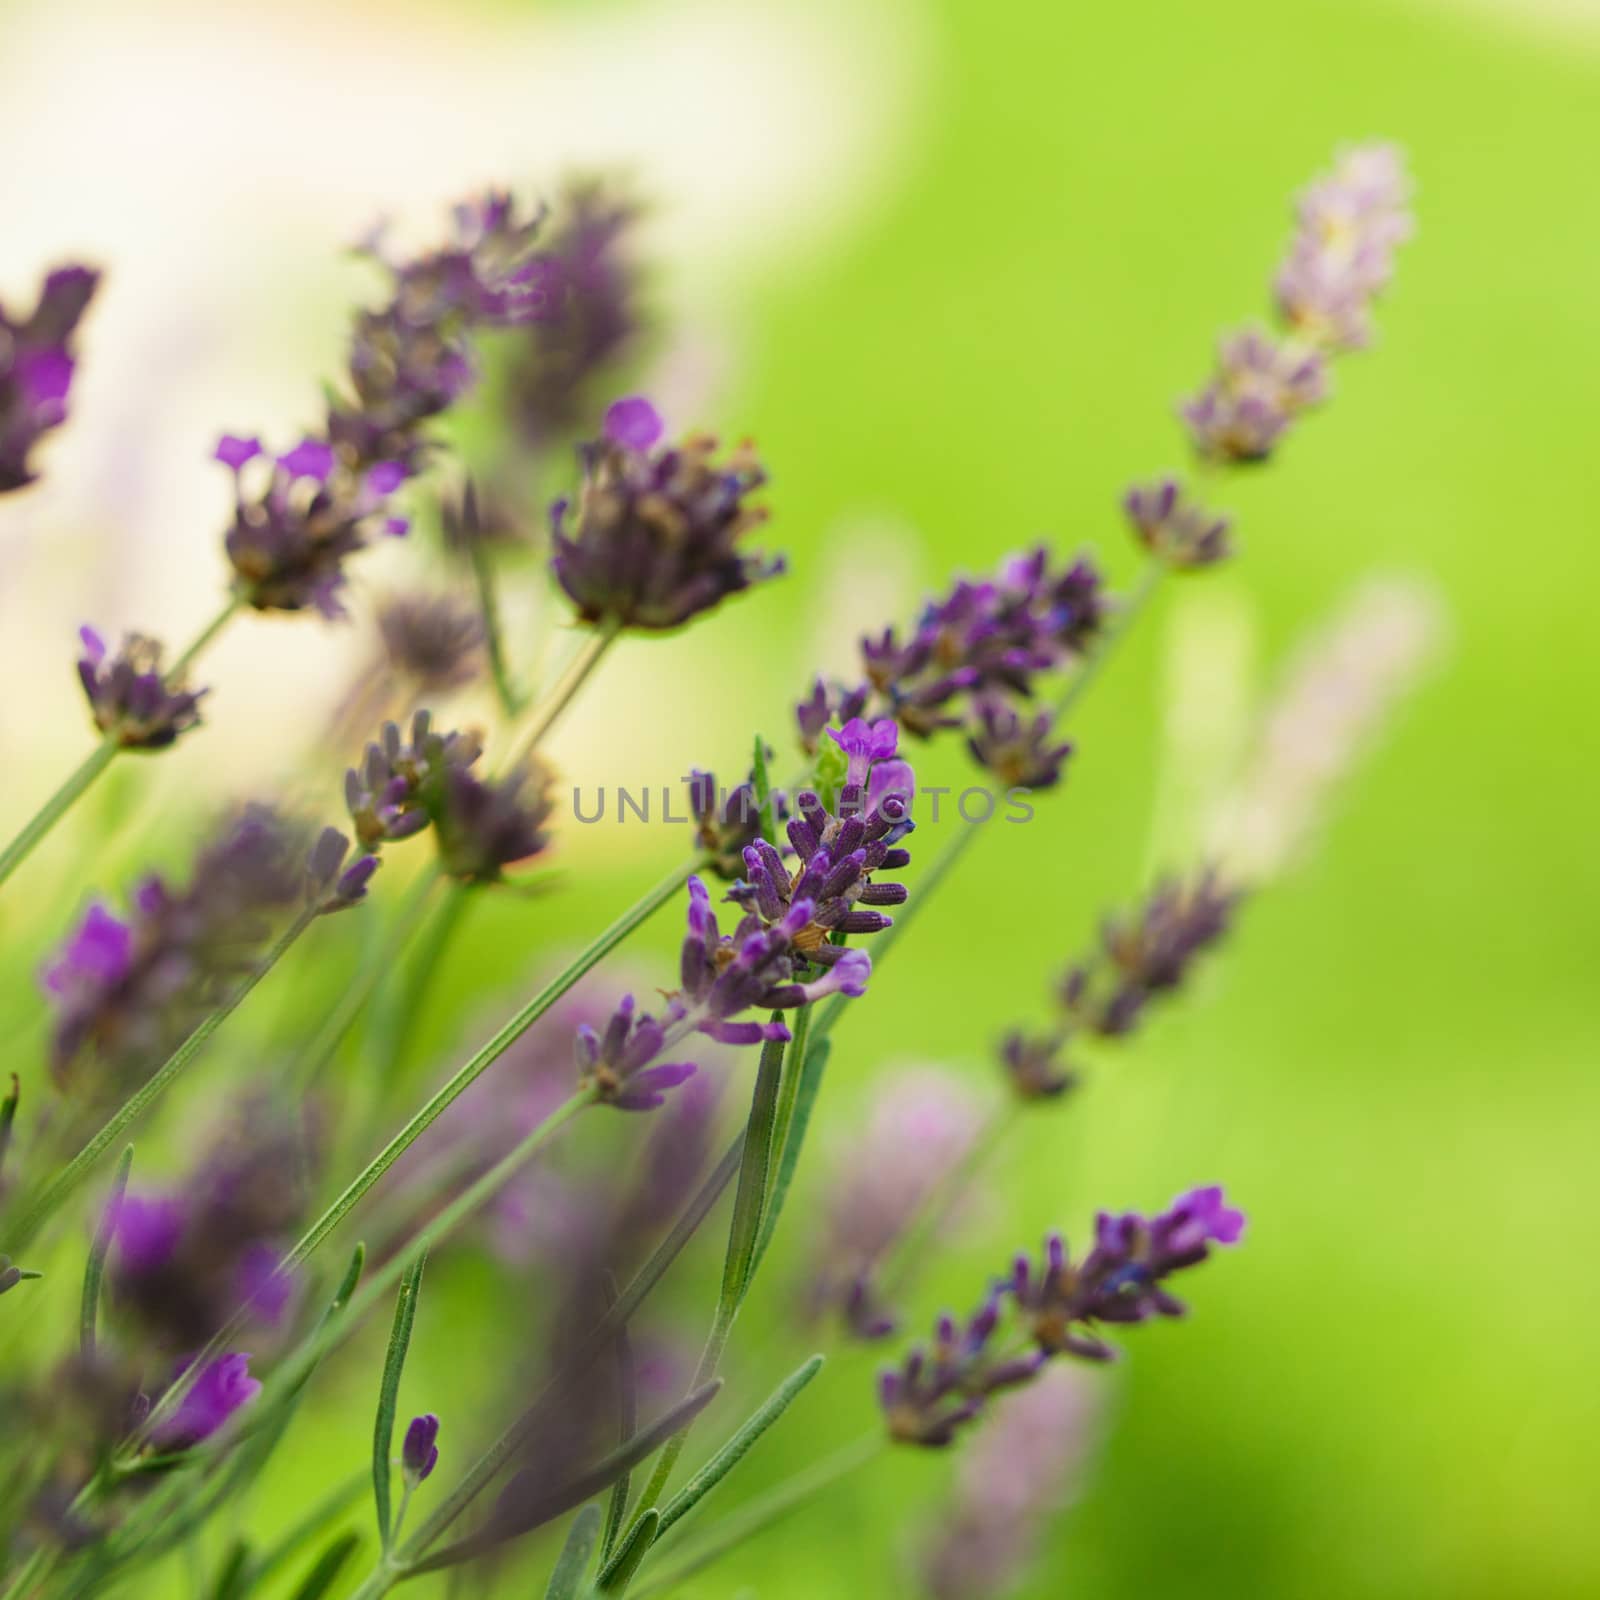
305 515
420 1453
1034 1066
1175 530
186 1260
937 1390
1342 255
1148 952
434 640
130 987
392 795
724 824
130 697
655 533
338 890
223 1387
485 826
616 1063
1260 387
1122 1279
1021 751
36 369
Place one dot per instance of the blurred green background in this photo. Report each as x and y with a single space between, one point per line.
1388 1390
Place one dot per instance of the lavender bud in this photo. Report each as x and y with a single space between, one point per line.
485 826
36 369
434 640
1034 1066
420 1453
223 1387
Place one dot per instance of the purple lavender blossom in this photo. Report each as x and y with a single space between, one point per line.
654 537
485 826
433 640
1342 256
131 996
337 889
394 793
1122 1279
185 1260
1020 750
616 1064
1148 952
36 369
223 1387
724 823
129 695
1173 528
1261 386
938 1389
1035 1067
420 1453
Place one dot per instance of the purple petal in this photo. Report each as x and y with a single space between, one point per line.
234 452
633 423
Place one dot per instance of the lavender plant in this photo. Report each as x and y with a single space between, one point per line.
208 1314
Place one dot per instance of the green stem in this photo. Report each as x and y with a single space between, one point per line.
765 1510
82 778
573 679
463 1078
67 1179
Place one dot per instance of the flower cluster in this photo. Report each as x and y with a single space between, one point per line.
1349 224
434 641
36 368
974 660
725 823
129 695
654 536
296 522
1147 952
130 987
1056 1307
483 825
1173 528
185 1260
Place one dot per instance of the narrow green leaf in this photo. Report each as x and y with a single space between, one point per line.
619 1570
627 1423
405 1314
232 1581
347 1284
8 1115
749 1198
808 1086
320 1579
550 1505
94 1269
573 1561
738 1447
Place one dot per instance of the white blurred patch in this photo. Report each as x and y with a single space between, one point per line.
215 159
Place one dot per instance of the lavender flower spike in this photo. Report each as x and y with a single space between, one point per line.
36 369
130 697
653 540
223 1387
420 1453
